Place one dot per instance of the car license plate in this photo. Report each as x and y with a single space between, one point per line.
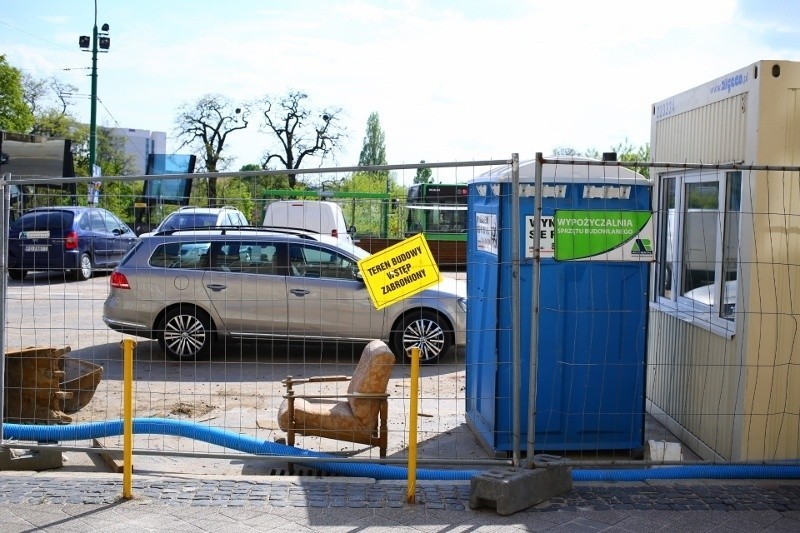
36 248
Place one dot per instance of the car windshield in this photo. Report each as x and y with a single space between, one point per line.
188 220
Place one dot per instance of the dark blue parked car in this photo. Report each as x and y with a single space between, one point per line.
72 239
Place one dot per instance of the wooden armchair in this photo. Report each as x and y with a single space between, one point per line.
358 416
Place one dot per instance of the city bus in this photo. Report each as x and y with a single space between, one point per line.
437 210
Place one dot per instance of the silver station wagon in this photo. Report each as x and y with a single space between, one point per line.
187 288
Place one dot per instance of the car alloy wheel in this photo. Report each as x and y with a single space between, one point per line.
426 330
185 334
84 270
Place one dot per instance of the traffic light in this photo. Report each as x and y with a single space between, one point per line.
84 41
104 42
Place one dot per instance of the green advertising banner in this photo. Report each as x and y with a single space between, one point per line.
603 235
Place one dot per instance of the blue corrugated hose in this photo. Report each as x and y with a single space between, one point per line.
247 444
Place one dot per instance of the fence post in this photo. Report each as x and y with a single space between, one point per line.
4 222
412 427
128 346
516 359
533 349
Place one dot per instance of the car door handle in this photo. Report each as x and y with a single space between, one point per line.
299 292
216 287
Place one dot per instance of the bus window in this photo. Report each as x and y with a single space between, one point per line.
437 210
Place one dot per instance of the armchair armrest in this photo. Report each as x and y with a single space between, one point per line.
377 396
289 381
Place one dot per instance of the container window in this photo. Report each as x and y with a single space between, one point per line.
666 238
697 259
701 225
730 250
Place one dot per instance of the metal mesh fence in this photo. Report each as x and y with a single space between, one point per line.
691 346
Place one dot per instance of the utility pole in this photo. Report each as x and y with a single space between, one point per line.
100 42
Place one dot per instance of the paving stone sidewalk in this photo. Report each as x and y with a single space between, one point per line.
779 495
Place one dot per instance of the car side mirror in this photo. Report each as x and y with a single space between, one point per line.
351 230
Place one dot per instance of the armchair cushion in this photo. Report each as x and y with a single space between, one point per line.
371 376
330 419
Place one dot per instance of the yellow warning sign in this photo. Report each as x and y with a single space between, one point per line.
399 271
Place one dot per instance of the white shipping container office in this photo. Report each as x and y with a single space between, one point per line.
724 344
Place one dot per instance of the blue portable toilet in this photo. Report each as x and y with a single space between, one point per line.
596 248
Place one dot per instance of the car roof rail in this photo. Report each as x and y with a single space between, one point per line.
291 228
206 207
224 229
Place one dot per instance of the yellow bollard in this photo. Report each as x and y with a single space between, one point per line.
412 427
128 346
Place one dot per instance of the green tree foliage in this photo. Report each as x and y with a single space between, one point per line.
266 182
424 175
253 200
52 117
47 103
373 151
48 99
566 151
298 131
204 127
110 154
52 123
593 153
626 152
116 195
15 115
367 214
236 192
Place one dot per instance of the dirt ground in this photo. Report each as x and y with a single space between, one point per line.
237 391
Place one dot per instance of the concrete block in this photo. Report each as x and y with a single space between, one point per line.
663 452
509 490
40 459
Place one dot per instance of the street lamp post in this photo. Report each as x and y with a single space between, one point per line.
100 42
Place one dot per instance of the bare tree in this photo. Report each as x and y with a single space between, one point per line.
49 101
47 94
300 131
204 127
35 91
62 92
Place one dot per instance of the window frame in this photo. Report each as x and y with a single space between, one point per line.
706 316
340 262
159 259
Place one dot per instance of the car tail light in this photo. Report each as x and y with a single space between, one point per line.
334 232
71 241
119 281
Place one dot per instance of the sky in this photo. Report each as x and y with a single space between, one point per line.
450 80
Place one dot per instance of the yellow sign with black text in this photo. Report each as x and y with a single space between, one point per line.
399 271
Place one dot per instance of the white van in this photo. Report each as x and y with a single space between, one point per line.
321 217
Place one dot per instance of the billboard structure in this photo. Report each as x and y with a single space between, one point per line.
36 156
168 190
162 190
